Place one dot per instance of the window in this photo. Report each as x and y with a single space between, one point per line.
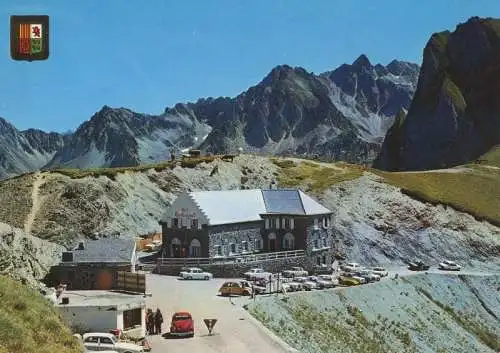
292 223
92 339
233 248
325 222
245 246
324 243
258 244
106 340
267 223
195 248
288 241
287 223
324 260
316 243
218 250
316 223
318 260
175 223
194 223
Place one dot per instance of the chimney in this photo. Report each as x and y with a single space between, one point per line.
65 300
273 185
81 246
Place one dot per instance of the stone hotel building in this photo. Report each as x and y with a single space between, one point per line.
232 223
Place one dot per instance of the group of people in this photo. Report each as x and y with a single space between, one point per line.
154 320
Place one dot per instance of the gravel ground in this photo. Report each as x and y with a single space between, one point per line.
234 331
434 312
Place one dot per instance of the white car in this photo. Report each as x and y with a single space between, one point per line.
257 273
448 265
195 273
295 272
306 283
368 275
352 267
326 281
295 286
97 341
321 282
382 272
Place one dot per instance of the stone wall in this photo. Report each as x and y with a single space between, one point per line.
236 270
236 234
320 244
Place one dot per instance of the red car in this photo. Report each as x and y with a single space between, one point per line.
182 324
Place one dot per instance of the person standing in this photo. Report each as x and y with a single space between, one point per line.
158 321
150 322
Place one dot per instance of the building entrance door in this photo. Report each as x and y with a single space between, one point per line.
272 244
176 248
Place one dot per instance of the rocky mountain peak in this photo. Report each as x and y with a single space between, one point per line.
6 127
399 68
362 62
455 115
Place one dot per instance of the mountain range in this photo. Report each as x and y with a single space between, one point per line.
341 114
399 116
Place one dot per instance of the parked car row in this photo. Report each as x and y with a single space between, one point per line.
309 283
446 265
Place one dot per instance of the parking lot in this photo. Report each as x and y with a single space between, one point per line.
235 329
233 332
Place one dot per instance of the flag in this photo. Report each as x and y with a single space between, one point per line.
30 38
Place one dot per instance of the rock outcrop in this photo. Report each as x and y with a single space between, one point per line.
24 257
454 117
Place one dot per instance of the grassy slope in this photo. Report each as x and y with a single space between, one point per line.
476 192
112 172
492 158
29 323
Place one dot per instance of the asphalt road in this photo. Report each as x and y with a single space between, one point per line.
233 332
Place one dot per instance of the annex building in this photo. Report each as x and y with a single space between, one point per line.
231 223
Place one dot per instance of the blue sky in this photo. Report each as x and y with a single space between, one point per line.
151 54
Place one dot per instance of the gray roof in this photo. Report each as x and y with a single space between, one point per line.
101 298
283 201
238 206
106 250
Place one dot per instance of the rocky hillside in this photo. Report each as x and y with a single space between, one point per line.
341 114
419 313
24 257
375 220
22 151
455 115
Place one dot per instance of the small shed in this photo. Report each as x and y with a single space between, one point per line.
101 311
95 264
